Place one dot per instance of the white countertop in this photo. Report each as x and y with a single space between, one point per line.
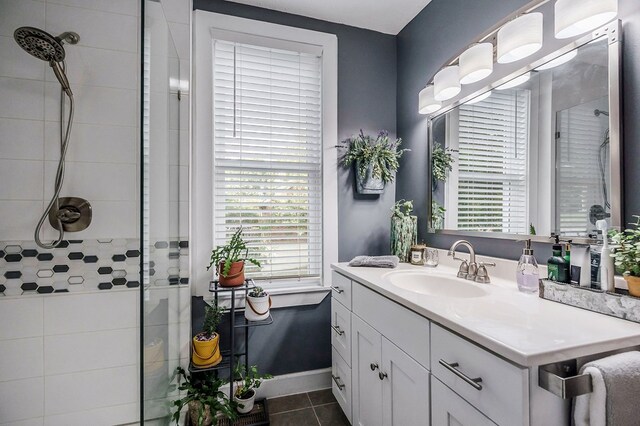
520 327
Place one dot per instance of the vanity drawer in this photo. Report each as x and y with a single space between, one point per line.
404 328
341 382
341 289
503 393
341 330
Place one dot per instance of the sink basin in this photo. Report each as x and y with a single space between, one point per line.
435 285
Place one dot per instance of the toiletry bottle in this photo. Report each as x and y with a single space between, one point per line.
594 254
527 275
557 267
607 271
580 267
567 253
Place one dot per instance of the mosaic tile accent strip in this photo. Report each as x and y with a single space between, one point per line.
87 265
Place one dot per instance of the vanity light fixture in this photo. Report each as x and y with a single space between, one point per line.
520 38
427 104
563 59
479 98
476 63
515 82
446 83
574 17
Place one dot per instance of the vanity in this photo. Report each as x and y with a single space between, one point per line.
419 346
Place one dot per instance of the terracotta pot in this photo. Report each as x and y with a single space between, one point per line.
206 353
634 285
194 411
234 278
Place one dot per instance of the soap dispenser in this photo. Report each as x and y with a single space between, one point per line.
557 266
527 275
607 271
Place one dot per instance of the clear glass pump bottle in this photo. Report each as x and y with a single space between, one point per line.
527 275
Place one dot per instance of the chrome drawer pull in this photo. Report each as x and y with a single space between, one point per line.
337 289
453 367
337 330
338 384
373 366
382 375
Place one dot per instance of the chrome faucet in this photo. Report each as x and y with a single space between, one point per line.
471 270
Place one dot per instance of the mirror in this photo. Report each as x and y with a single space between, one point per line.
536 155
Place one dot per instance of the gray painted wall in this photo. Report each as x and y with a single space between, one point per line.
437 33
299 339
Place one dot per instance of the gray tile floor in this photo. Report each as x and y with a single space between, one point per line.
307 409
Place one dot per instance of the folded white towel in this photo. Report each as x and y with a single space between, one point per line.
376 261
616 386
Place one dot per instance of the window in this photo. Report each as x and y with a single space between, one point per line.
491 168
264 157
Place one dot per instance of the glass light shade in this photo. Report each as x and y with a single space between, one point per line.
426 102
520 38
446 83
515 82
558 61
574 17
476 63
479 98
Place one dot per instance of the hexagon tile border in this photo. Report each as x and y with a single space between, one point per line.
88 265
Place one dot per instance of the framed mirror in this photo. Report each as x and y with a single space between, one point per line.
536 153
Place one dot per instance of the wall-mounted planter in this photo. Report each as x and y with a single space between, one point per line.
368 184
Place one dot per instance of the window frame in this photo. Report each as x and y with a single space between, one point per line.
206 24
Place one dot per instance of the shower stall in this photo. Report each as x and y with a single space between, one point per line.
94 195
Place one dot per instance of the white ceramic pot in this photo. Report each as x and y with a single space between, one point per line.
246 405
257 308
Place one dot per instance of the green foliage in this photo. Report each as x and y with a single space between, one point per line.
532 229
257 292
627 249
437 215
441 161
381 154
206 391
234 251
212 318
402 208
247 380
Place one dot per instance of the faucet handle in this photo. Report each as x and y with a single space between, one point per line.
482 276
463 271
486 264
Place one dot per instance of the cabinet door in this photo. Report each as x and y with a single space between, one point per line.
449 409
405 388
366 385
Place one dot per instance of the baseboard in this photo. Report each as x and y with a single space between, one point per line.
288 384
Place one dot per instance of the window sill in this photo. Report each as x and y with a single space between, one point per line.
282 297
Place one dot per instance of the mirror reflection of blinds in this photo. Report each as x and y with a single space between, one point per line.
579 180
492 163
268 157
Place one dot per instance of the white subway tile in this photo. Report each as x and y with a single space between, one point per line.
77 313
25 316
95 28
20 13
20 180
177 10
95 181
37 421
21 358
124 7
180 34
89 390
22 399
21 98
108 416
72 353
19 219
94 143
21 139
18 63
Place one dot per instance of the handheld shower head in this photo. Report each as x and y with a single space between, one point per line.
597 112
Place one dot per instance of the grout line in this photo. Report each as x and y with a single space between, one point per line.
288 411
313 408
326 403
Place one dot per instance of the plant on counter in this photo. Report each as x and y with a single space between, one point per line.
404 229
257 304
206 344
246 384
375 160
627 255
229 260
204 399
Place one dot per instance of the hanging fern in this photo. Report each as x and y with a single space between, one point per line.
441 161
380 153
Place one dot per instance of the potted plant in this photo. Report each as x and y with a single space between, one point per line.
204 399
246 384
375 159
627 255
441 164
206 344
229 261
257 304
404 229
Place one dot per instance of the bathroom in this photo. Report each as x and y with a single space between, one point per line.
144 143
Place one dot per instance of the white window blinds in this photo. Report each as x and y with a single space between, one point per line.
268 157
492 170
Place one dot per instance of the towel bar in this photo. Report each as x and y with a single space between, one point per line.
561 379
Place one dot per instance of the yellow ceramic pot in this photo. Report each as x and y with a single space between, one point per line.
206 353
634 285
